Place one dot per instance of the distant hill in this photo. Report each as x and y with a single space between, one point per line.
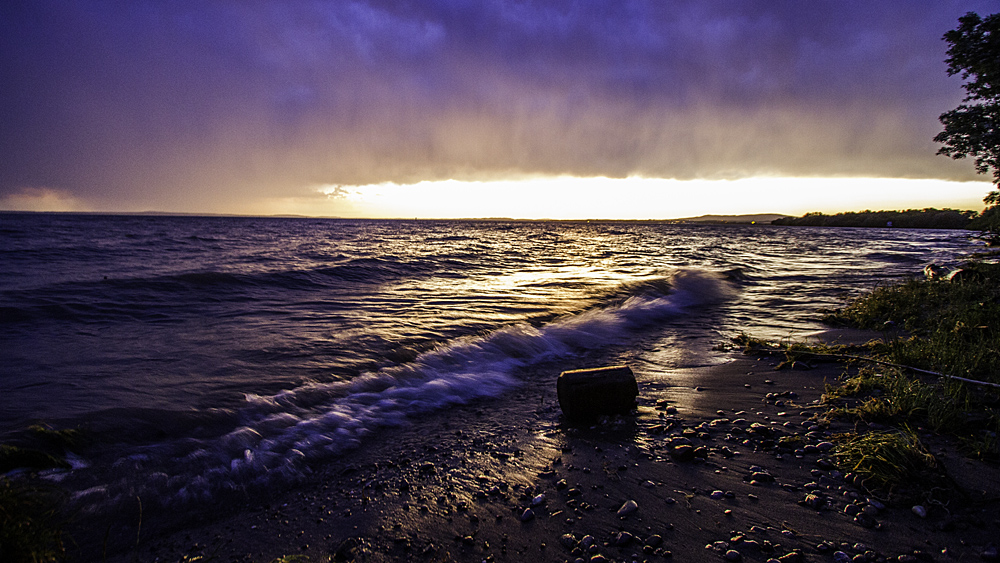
928 218
739 219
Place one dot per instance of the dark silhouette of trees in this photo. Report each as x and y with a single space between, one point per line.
973 128
929 218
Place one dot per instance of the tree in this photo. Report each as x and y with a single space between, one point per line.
973 128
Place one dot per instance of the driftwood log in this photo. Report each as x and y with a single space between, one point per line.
585 394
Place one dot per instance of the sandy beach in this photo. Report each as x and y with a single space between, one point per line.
508 481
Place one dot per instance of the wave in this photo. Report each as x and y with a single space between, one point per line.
274 439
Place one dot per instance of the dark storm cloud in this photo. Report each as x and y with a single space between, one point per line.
185 104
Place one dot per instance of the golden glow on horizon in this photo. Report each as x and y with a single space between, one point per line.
640 198
567 197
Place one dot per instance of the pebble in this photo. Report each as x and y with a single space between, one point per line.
920 511
733 555
682 453
813 501
865 521
629 507
538 500
528 514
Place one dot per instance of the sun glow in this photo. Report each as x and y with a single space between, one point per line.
568 197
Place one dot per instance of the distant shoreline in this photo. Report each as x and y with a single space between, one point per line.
758 218
907 219
929 218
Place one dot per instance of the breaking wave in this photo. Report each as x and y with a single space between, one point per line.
274 439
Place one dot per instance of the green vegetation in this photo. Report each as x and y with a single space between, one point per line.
30 525
936 368
973 128
31 513
954 325
909 219
953 329
884 459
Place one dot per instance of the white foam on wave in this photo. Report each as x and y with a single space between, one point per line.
282 433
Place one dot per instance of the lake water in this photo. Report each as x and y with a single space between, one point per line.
216 354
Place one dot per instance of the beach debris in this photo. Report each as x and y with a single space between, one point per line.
920 511
934 272
586 394
629 507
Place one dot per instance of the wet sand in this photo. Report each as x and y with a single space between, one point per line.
457 487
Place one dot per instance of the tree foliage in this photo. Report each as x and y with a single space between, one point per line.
929 218
973 128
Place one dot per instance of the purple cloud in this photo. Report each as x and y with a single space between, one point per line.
191 104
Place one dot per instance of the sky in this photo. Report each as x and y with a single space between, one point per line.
644 109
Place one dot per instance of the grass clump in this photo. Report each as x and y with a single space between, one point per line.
948 327
953 329
886 459
30 523
954 325
910 400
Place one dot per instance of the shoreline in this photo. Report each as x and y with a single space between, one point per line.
457 486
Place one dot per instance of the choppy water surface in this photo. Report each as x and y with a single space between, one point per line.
216 354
